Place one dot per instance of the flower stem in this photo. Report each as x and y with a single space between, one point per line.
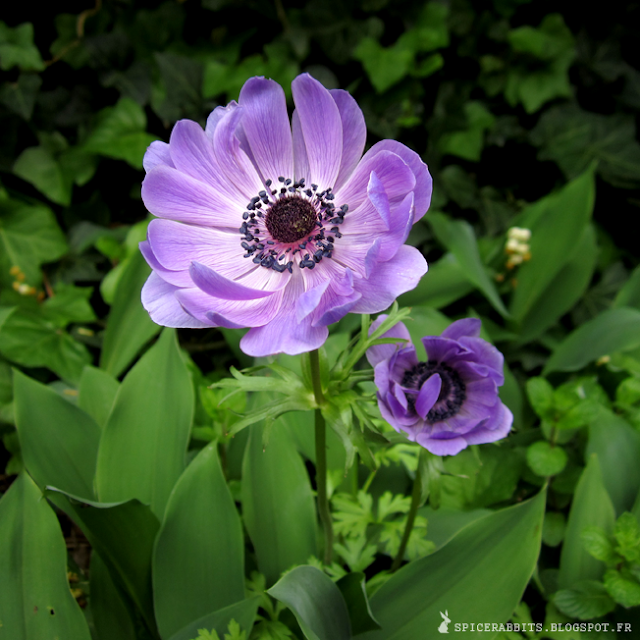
416 496
321 459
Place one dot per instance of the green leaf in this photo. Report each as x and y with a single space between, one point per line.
459 238
17 48
629 295
574 138
354 592
180 94
444 524
617 444
198 561
555 222
612 331
129 327
316 603
243 612
69 304
586 600
545 460
627 535
277 502
20 96
540 394
120 133
623 590
111 616
59 442
446 283
565 290
551 40
144 442
97 393
29 236
37 166
599 545
384 66
591 507
480 574
468 143
32 341
35 600
106 525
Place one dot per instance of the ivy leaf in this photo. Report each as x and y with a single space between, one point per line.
17 48
20 96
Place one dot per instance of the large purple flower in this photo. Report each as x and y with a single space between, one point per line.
276 225
451 400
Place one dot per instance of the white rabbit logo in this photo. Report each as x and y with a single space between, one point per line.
444 625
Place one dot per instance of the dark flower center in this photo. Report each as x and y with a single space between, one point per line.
290 219
452 393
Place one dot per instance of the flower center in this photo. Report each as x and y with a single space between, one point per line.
452 393
290 219
288 225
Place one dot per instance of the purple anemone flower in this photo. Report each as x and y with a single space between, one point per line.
279 226
448 402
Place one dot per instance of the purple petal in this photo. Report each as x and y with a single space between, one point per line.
243 313
215 116
167 193
177 278
441 446
487 354
494 429
378 197
309 300
428 395
423 181
483 391
300 157
464 327
337 301
220 287
321 127
232 160
390 279
441 349
284 334
391 170
399 413
157 153
378 353
266 125
354 134
159 300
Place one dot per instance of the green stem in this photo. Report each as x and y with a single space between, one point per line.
416 496
321 459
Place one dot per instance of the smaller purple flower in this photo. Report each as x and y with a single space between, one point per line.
448 402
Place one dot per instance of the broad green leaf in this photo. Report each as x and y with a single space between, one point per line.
591 507
443 524
20 96
179 94
144 442
69 304
354 592
129 327
316 603
17 48
555 221
106 526
468 144
97 393
120 133
612 331
37 166
198 560
617 444
553 529
59 442
110 614
564 291
445 284
479 575
277 502
35 600
29 236
458 237
31 340
243 612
